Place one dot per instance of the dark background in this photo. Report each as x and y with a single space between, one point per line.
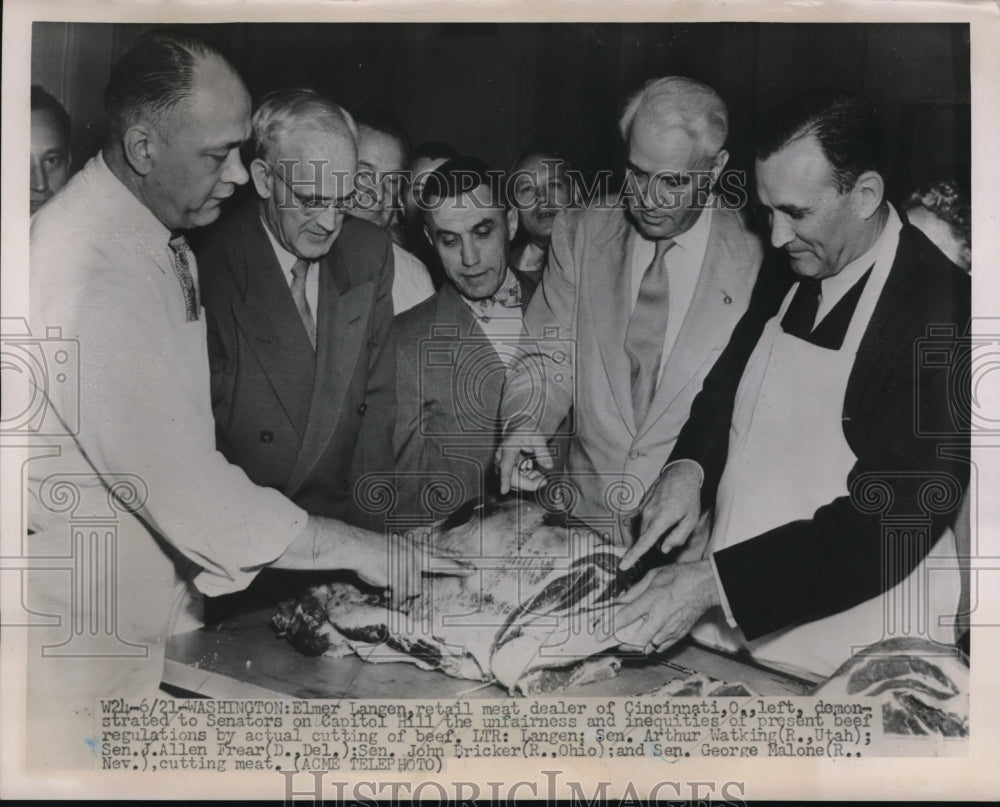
497 89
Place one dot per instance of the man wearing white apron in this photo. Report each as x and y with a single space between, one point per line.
819 400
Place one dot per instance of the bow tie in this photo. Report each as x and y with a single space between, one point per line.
506 297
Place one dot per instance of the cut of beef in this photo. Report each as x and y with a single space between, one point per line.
923 687
699 685
528 617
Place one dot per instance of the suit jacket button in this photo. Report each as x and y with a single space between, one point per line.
266 436
362 408
633 455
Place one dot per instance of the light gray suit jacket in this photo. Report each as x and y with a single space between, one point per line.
574 354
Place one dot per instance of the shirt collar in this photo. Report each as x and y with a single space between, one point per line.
695 238
286 260
837 285
532 256
509 286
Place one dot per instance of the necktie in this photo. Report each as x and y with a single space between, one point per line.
807 306
182 266
299 271
646 330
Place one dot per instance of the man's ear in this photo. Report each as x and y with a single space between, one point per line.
868 192
139 143
719 164
258 172
511 223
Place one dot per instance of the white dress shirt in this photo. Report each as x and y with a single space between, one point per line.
684 261
502 324
533 258
833 288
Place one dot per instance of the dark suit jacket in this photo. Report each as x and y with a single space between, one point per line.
898 411
309 424
449 382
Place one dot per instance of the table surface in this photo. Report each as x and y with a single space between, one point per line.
243 657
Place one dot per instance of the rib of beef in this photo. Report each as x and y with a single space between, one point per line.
529 618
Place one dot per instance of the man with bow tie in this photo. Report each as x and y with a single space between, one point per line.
452 349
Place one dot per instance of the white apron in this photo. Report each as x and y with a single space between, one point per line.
787 457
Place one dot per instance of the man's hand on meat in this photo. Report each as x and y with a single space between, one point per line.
392 561
670 510
662 608
516 458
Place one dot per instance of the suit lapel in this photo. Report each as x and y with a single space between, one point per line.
341 326
723 276
895 306
480 366
607 288
271 324
527 286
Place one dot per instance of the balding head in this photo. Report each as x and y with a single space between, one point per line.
178 113
155 77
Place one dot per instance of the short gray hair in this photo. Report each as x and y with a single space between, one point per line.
281 109
680 101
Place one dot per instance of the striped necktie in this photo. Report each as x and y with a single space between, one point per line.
646 331
182 266
299 271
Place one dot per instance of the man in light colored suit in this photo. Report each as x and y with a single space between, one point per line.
636 304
